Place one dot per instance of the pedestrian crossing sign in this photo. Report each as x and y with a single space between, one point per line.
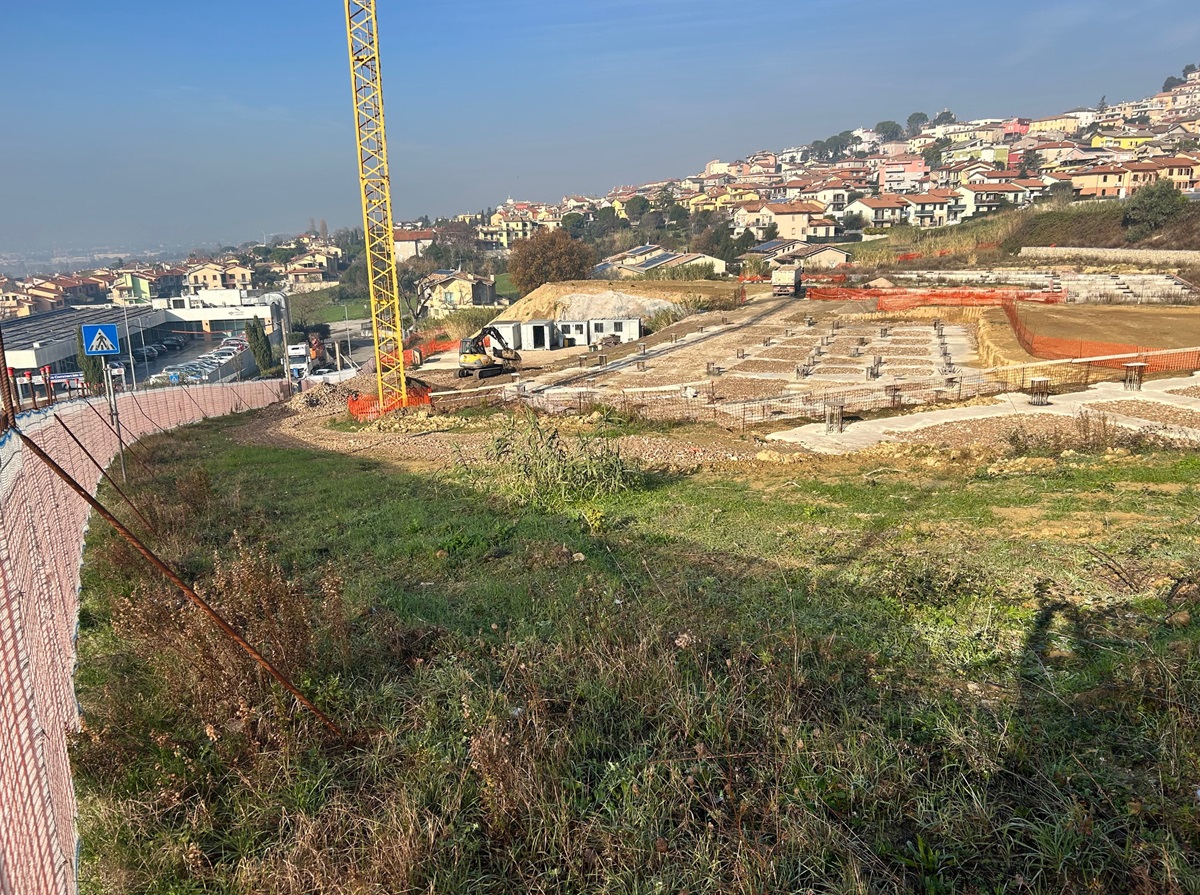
101 338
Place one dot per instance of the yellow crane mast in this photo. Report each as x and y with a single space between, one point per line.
386 321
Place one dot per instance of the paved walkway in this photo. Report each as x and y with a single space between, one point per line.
859 435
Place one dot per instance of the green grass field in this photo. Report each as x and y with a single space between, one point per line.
505 287
915 674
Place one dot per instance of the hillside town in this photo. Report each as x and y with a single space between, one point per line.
808 204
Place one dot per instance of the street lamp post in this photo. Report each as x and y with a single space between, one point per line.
129 346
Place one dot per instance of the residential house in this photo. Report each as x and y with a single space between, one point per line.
954 175
815 257
1139 174
303 277
982 198
995 153
643 259
412 243
927 210
831 195
318 258
901 174
445 291
217 275
1055 124
1120 140
749 216
1099 182
504 230
772 249
792 219
880 211
1182 171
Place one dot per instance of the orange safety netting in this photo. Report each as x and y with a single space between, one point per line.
1060 348
427 349
365 408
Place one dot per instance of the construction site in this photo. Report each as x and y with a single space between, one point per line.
848 584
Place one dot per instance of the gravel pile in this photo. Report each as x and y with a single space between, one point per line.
672 453
323 400
1153 411
417 421
1192 391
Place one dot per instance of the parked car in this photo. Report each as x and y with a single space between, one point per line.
144 355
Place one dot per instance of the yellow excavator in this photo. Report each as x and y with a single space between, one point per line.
474 358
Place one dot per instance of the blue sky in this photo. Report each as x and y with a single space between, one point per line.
140 122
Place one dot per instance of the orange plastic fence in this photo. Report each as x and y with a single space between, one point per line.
1059 348
425 349
366 408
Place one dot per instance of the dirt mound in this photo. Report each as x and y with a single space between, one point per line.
324 399
586 299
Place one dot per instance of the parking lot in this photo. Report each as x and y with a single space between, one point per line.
146 370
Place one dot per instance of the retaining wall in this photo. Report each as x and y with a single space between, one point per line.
1141 257
42 524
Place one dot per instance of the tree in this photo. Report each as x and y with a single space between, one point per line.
574 223
933 154
312 226
323 229
889 131
636 207
260 345
771 231
1031 163
855 220
1172 82
945 117
91 365
916 122
1062 193
665 198
549 256
1151 208
1102 106
1189 69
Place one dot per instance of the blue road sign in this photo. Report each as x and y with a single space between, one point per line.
101 338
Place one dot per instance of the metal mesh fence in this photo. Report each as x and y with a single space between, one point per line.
698 401
41 531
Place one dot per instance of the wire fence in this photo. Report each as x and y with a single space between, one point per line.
41 541
700 401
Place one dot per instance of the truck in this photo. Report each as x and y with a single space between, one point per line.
786 280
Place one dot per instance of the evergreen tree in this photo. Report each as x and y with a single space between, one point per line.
260 345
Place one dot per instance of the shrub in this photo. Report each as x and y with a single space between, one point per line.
536 467
1151 208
